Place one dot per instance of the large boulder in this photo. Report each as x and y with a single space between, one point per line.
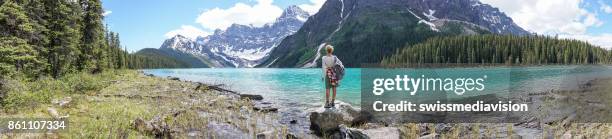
327 121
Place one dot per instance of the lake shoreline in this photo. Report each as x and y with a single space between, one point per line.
133 104
522 129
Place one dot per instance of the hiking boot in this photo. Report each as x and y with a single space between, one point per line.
327 105
333 104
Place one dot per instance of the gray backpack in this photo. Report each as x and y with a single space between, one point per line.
338 68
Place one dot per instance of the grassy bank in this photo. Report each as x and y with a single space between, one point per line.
125 103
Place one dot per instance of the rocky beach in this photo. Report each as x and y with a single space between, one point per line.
132 104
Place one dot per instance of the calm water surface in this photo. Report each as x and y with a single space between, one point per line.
304 87
296 92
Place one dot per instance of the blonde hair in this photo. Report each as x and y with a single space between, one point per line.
329 48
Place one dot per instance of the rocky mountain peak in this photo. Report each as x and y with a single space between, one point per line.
180 43
293 12
176 42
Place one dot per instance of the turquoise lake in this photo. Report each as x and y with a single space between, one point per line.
304 88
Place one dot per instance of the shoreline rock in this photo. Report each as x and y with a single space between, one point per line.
332 121
251 97
174 78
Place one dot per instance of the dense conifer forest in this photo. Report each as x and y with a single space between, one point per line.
56 37
501 49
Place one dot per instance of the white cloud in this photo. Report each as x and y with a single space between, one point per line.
257 15
106 13
603 40
187 31
605 7
313 7
548 16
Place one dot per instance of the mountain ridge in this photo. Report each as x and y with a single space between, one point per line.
351 25
239 45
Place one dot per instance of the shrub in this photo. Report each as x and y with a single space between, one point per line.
84 82
28 94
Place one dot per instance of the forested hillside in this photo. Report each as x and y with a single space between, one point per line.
155 58
501 49
55 37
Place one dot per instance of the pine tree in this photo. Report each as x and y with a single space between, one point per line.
16 55
63 36
93 47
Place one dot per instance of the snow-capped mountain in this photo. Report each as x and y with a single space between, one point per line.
471 11
366 31
241 45
181 43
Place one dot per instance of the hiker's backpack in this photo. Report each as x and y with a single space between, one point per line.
338 68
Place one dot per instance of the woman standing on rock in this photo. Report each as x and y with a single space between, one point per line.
333 70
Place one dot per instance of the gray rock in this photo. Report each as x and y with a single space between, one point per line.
62 102
174 78
383 133
291 136
226 131
195 134
251 97
325 122
270 135
55 114
156 126
264 135
346 132
265 109
430 136
443 127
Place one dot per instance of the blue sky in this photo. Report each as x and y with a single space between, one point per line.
147 23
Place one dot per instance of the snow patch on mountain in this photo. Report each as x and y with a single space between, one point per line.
313 63
303 19
250 54
342 9
430 15
432 26
271 62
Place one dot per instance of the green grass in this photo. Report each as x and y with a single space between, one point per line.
105 106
